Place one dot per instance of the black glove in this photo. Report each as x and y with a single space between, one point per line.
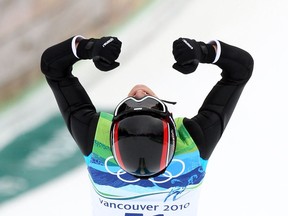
188 53
103 51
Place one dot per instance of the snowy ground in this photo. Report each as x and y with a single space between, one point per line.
246 174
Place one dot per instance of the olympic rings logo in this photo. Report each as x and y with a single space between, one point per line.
166 174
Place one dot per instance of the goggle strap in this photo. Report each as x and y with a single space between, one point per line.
169 102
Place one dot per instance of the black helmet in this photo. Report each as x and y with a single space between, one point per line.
143 136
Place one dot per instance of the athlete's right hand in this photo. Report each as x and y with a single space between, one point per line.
103 51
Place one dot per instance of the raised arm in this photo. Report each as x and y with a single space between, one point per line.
208 125
74 103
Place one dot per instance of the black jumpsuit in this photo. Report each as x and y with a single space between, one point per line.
205 128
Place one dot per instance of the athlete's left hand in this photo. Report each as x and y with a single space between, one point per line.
187 53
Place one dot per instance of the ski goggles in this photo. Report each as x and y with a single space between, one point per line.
147 103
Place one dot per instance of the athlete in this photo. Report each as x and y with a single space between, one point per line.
141 160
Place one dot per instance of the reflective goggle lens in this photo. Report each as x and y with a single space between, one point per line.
148 102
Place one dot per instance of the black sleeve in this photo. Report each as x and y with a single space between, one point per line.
74 103
208 125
